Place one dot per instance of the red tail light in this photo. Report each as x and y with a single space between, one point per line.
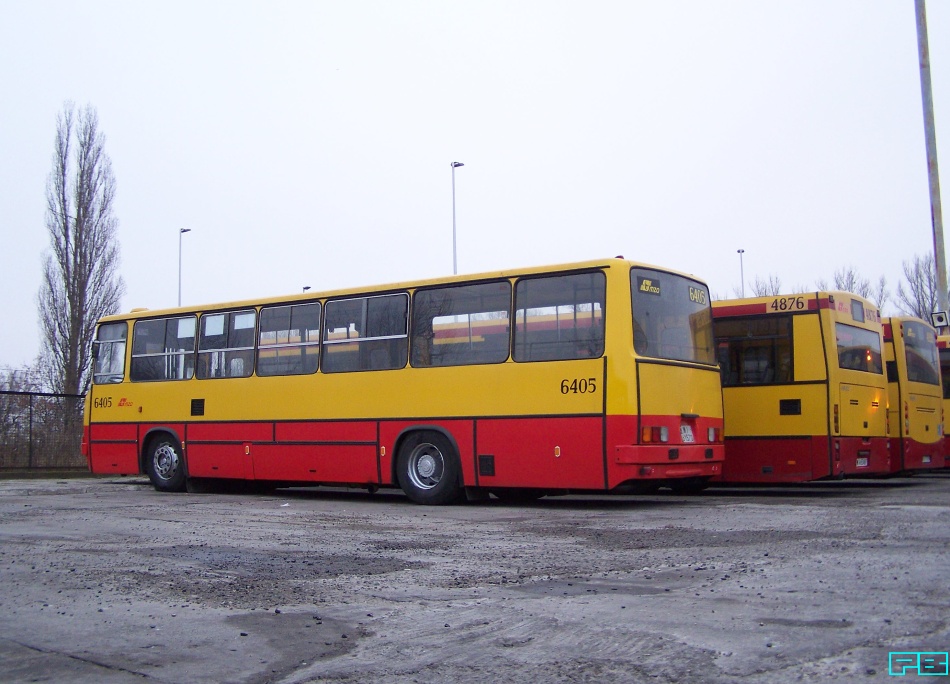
654 433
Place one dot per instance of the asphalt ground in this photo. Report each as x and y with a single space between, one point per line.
107 580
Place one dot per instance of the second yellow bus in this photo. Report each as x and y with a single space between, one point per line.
804 390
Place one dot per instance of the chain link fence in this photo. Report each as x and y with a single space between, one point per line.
40 431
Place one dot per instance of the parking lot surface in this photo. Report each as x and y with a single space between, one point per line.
107 580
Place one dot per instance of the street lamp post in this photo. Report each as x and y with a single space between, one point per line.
455 268
930 140
180 233
741 270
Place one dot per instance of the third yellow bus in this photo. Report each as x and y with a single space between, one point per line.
916 394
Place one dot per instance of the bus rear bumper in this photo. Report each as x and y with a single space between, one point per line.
667 462
914 456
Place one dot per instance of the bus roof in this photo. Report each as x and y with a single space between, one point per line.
390 287
801 302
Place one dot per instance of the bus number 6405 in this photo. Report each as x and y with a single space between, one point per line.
579 386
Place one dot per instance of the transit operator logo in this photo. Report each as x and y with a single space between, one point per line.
920 663
649 286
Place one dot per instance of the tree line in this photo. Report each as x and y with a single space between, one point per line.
916 294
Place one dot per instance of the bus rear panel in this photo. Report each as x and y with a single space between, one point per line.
805 396
915 393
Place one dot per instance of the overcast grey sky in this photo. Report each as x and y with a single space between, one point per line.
309 143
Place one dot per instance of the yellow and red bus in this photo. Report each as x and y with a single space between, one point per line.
943 350
593 376
915 392
804 389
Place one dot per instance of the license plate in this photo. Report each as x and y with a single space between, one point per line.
686 434
862 463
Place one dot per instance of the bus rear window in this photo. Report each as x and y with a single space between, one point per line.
755 350
858 349
920 351
671 317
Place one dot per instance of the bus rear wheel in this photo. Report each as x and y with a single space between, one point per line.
165 465
428 469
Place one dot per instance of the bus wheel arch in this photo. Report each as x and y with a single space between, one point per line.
427 466
164 461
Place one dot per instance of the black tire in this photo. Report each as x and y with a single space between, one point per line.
165 464
428 469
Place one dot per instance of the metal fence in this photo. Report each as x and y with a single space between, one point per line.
39 430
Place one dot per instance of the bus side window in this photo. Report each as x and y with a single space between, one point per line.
110 353
226 344
559 317
366 333
461 325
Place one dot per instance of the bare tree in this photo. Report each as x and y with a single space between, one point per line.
880 294
765 288
920 297
848 279
80 277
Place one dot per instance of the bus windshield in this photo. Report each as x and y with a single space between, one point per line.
920 344
671 317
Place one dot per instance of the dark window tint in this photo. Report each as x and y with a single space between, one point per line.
920 352
755 350
859 349
945 371
671 317
366 333
456 326
289 340
560 317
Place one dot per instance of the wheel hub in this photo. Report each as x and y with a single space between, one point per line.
426 466
166 462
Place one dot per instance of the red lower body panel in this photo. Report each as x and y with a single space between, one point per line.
912 455
113 449
547 452
767 460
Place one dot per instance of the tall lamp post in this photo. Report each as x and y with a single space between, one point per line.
455 265
930 140
180 233
741 270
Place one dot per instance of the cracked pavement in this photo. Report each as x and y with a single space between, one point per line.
106 580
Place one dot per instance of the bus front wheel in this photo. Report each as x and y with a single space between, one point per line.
428 469
164 465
